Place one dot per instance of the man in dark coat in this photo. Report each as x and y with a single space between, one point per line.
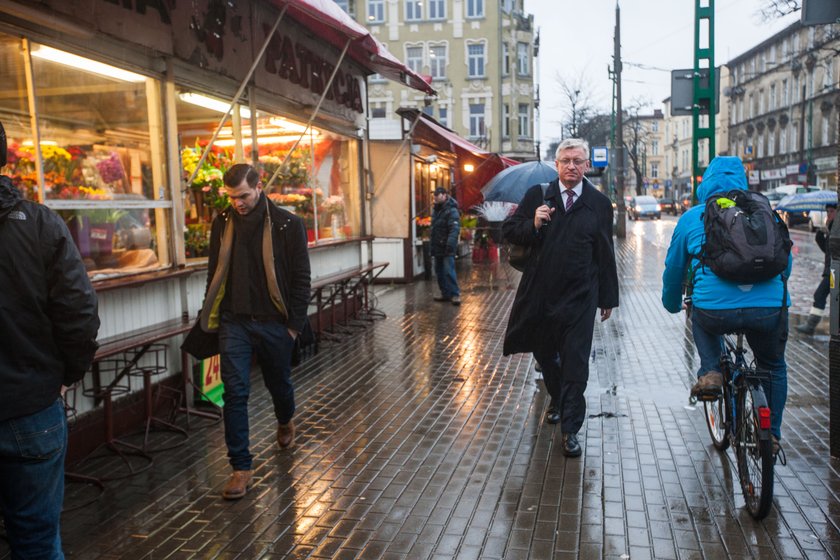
446 226
571 273
257 297
48 326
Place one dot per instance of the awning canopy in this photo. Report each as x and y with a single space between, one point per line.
332 24
485 164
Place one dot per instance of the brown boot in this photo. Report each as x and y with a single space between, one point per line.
286 434
237 485
709 384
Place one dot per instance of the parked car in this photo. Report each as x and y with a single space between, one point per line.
685 202
669 205
644 207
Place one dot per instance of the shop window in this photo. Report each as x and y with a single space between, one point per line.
100 157
318 180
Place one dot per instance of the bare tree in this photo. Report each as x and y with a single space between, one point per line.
578 103
636 139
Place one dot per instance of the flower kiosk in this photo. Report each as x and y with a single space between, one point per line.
127 136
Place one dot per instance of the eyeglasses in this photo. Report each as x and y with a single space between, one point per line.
576 162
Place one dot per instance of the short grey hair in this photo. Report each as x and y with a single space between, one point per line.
572 143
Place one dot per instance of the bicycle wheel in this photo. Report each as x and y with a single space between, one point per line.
717 420
755 457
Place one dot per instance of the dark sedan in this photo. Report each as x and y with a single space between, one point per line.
668 206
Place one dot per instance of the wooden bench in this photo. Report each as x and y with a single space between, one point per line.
341 286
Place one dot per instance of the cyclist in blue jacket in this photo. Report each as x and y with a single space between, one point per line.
720 306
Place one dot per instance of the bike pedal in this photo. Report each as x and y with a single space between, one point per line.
709 397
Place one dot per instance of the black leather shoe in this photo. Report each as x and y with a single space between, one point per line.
552 416
571 447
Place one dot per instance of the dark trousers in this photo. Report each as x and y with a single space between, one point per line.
822 291
566 371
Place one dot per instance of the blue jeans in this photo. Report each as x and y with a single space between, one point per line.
32 450
445 272
766 330
239 339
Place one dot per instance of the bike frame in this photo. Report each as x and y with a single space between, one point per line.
739 377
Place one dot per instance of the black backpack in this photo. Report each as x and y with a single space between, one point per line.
746 241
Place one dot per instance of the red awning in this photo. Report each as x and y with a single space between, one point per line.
332 24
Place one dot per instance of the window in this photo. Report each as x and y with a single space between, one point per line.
437 9
476 120
505 59
772 102
654 147
429 110
524 121
376 11
506 120
785 93
771 144
104 171
475 61
523 61
475 8
377 113
654 127
376 78
654 170
344 5
414 58
828 75
794 138
443 116
826 128
761 102
437 62
752 106
783 141
413 10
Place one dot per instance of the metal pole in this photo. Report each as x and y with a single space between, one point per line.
834 343
621 218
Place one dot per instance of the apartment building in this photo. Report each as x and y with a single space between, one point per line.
784 100
478 55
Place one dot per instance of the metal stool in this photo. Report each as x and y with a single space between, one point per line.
156 358
118 386
70 476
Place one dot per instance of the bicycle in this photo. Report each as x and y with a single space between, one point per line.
739 416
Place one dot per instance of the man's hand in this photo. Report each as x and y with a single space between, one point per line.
605 314
293 333
542 215
64 390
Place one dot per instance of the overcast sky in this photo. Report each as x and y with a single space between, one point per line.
576 39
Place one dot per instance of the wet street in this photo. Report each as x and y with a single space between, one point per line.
417 439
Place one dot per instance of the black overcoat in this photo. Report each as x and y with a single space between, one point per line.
572 269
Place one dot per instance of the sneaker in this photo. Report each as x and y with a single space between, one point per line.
442 298
709 384
456 300
286 434
237 485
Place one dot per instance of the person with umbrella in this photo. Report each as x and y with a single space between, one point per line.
824 287
570 275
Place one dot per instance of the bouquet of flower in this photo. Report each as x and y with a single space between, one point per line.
333 205
110 168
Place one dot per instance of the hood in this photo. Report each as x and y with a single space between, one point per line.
724 174
9 196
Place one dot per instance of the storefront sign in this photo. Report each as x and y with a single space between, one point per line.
754 177
770 174
210 380
792 169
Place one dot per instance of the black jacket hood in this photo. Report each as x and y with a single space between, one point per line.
9 196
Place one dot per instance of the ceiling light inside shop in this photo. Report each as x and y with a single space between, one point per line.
212 104
289 126
261 140
79 63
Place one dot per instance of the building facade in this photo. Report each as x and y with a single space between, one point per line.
478 55
784 100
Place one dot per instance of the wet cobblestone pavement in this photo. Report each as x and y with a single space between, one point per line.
417 439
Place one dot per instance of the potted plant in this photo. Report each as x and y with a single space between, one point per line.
494 213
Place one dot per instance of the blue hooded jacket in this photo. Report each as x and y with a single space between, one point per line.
724 173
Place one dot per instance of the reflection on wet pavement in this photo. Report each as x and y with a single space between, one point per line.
417 439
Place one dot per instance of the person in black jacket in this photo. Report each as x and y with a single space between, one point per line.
48 326
571 273
258 283
824 287
446 226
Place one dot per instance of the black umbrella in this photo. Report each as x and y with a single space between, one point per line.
511 184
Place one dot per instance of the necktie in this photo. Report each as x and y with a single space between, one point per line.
570 199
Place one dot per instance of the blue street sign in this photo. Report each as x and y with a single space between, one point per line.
600 156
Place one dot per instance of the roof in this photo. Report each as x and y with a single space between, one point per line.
334 26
